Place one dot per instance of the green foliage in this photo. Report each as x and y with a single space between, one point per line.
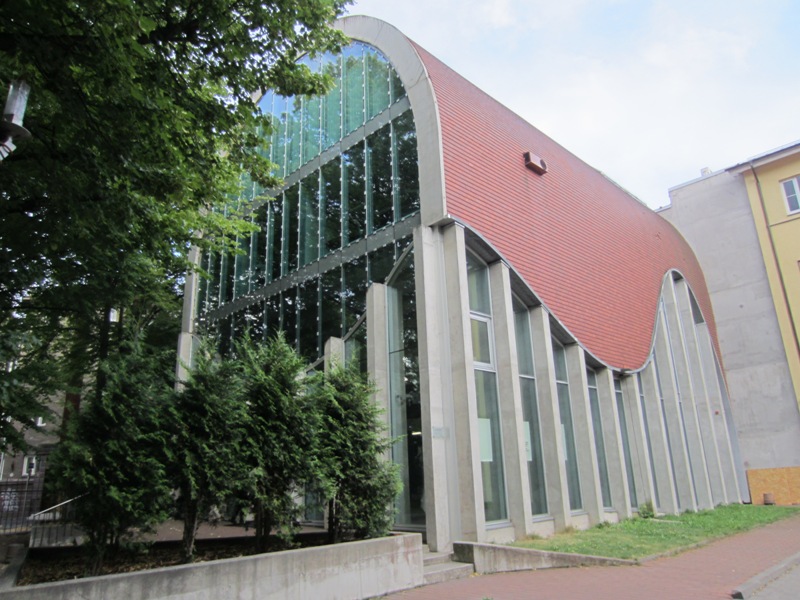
360 482
284 425
115 451
142 123
211 449
647 511
638 538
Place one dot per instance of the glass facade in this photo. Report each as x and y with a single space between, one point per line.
485 373
530 410
599 439
567 429
349 164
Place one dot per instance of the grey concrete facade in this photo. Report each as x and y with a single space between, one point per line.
714 215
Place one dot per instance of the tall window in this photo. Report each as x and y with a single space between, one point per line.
485 371
567 429
647 437
599 440
626 445
530 409
791 193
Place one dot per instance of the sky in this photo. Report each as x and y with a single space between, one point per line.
648 92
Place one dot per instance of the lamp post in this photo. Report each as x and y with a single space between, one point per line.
11 129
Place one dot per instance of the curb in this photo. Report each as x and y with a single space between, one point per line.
754 584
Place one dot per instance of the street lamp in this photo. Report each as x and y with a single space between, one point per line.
11 129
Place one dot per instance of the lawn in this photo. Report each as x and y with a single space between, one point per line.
638 538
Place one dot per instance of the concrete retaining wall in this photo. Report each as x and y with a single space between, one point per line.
489 558
353 570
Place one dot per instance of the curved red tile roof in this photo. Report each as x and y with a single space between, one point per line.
592 253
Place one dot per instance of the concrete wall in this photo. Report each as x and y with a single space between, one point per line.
714 215
489 558
353 570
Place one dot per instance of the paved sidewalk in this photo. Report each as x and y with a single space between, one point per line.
712 571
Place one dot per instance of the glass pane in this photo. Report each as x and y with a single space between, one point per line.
381 262
378 82
309 219
647 438
533 446
560 360
379 157
278 145
242 264
275 238
407 170
354 290
397 89
481 351
294 133
331 215
626 446
212 300
599 439
354 202
272 307
332 102
226 278
491 447
331 304
258 247
308 320
524 345
478 284
253 318
571 456
289 316
353 87
311 127
291 206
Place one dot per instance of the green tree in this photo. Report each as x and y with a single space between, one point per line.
211 450
284 426
143 123
360 482
113 458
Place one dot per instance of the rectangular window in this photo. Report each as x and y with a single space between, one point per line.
626 445
565 412
791 192
530 410
599 439
647 436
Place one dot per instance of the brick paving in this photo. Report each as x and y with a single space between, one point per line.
705 573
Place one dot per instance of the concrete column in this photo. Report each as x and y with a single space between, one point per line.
659 444
549 420
378 345
442 519
510 400
615 457
465 408
684 480
686 398
186 338
585 447
333 352
637 439
730 476
700 397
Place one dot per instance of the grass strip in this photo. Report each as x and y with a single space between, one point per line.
637 538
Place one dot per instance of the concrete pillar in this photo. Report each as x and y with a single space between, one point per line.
730 475
615 458
186 338
585 447
659 445
510 400
377 345
700 396
333 352
686 396
549 420
465 409
637 439
442 519
684 480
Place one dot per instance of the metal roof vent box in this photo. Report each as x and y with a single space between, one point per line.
535 163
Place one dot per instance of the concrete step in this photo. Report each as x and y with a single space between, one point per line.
435 558
448 571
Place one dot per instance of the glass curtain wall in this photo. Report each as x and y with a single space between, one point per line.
567 429
485 372
405 408
530 410
349 160
626 445
599 439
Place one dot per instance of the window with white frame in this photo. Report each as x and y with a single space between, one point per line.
28 466
791 192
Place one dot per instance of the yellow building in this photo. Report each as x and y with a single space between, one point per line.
773 188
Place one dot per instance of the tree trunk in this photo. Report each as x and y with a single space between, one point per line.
191 522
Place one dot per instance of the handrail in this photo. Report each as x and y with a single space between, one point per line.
46 510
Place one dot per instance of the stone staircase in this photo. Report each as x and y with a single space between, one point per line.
439 566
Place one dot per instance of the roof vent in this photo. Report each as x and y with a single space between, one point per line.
535 163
